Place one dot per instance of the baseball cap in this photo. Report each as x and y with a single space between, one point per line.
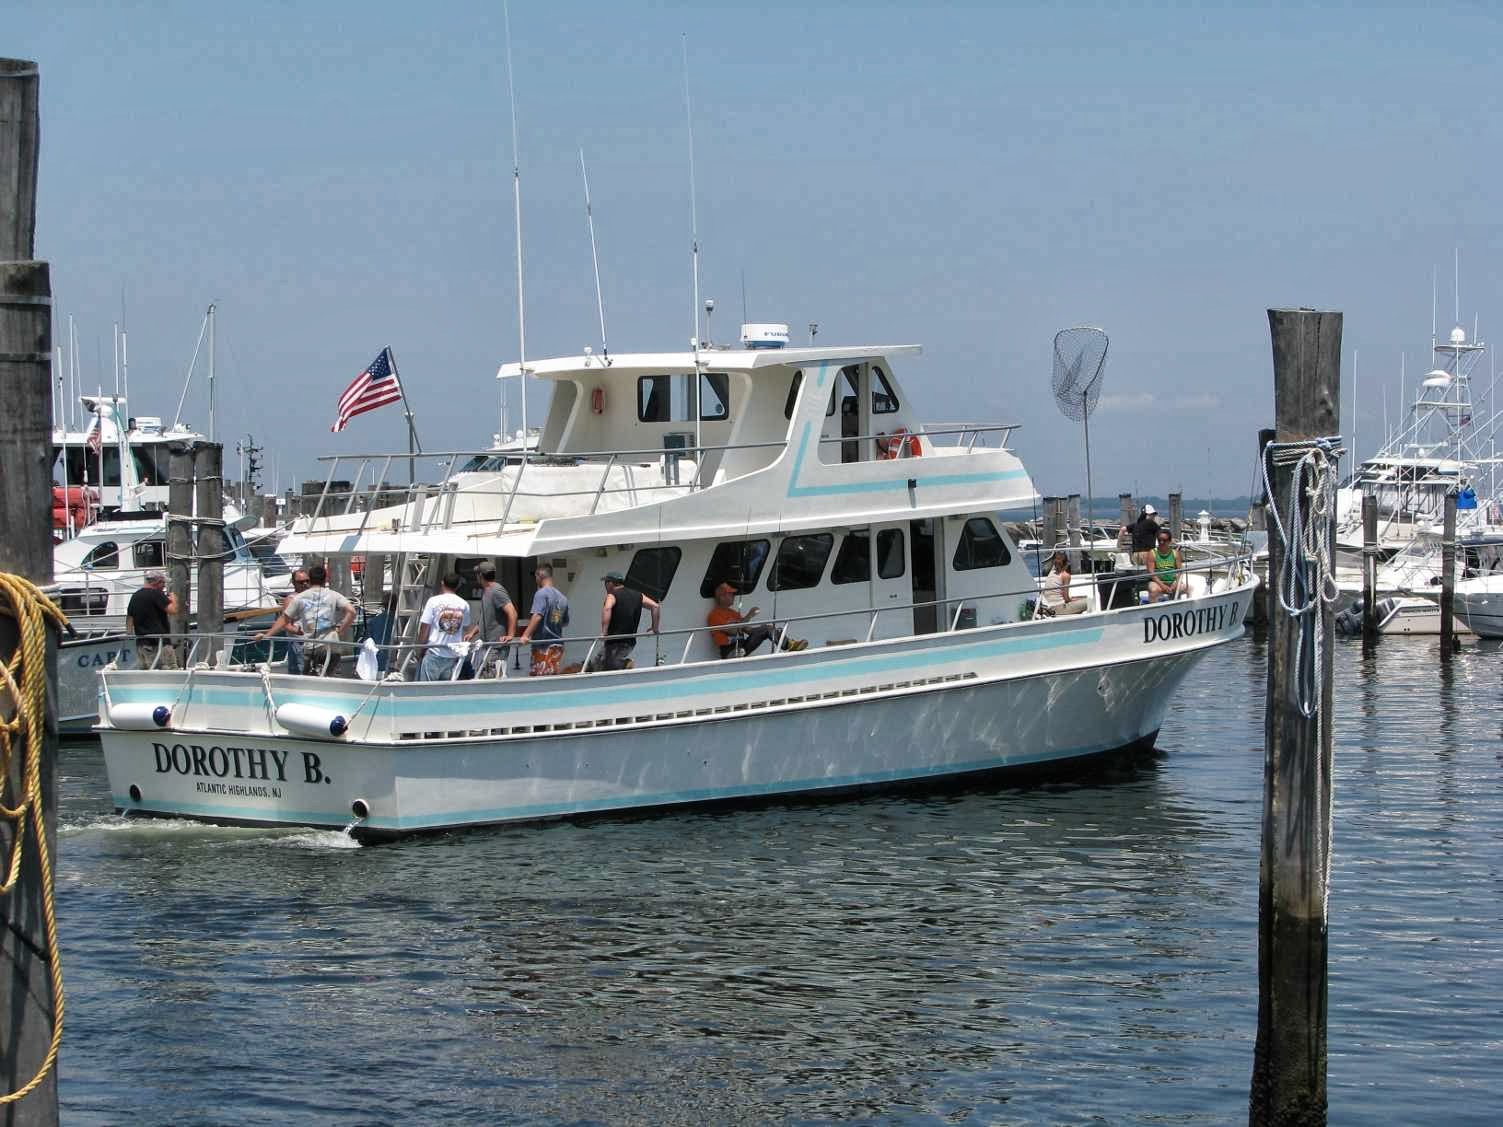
614 577
725 588
1149 510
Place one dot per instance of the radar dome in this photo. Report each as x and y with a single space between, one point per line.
1458 335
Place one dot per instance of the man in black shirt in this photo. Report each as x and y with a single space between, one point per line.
146 618
620 615
1145 533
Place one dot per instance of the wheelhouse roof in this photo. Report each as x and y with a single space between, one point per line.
710 359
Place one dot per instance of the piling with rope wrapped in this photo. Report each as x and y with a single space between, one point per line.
1289 1060
33 984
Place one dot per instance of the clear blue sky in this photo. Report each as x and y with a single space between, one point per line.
337 177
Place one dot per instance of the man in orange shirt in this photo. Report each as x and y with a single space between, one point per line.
735 639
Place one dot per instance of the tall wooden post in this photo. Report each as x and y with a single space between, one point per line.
26 1001
1289 1062
1448 641
208 466
268 512
1072 522
1369 566
180 531
1126 514
1049 534
1176 515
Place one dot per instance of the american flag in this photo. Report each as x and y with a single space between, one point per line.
95 440
375 387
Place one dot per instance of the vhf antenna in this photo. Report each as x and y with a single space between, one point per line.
605 348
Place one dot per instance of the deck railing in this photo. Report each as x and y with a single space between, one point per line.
245 651
431 505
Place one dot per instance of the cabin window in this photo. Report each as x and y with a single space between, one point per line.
853 563
981 545
150 553
714 396
737 562
82 465
651 571
665 399
793 386
654 399
106 555
153 463
884 399
801 562
890 555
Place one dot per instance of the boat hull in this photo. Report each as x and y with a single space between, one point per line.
79 661
916 711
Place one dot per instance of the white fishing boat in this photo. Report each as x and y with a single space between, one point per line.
806 481
1442 446
1479 604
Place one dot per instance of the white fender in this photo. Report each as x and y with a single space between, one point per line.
308 720
139 717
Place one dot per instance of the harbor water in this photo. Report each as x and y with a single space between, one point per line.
1059 953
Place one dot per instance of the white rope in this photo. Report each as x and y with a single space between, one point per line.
1307 578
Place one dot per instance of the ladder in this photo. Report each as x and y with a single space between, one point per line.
414 583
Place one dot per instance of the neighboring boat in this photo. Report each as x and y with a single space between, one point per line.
804 479
94 459
1479 604
94 576
1441 447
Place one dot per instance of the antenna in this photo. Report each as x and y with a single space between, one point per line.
516 184
605 348
699 454
1434 316
1355 390
744 317
1457 285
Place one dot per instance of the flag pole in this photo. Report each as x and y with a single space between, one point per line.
414 447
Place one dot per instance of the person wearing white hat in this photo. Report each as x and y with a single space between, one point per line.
1145 534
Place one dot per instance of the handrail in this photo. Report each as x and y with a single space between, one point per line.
200 643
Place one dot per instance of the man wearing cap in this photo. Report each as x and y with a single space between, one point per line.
498 621
734 639
1145 534
146 618
620 616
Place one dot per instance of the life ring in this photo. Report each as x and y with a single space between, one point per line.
900 443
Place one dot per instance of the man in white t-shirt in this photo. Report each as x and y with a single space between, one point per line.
441 632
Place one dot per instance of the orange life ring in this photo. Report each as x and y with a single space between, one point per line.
899 443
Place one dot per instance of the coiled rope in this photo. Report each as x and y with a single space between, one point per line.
25 677
1307 577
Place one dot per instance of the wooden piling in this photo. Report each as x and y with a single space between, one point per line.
268 512
208 465
1072 522
1448 639
1126 514
26 1002
1289 1062
1176 516
1369 566
1048 532
180 531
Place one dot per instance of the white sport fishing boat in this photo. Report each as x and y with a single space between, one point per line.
806 481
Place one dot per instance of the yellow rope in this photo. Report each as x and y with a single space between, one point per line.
25 676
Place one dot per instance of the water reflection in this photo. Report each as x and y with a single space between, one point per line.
1059 952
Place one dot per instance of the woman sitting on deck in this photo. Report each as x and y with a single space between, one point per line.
1057 588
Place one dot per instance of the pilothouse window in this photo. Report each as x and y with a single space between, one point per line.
665 399
981 545
853 563
106 555
884 399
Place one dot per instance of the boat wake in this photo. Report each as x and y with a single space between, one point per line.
182 829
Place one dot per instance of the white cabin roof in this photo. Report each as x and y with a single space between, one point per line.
710 359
